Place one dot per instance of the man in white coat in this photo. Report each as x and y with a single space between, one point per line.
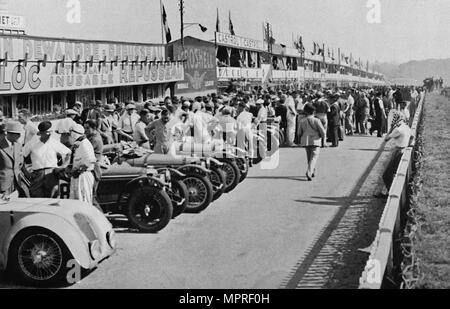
81 166
291 116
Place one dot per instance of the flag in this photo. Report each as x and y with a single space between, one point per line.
315 49
231 25
218 21
166 26
302 47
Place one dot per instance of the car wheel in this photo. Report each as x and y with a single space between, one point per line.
179 194
243 168
233 175
149 209
38 257
200 192
218 181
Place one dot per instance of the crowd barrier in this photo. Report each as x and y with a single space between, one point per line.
385 253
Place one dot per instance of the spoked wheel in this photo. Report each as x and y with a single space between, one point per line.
200 193
180 196
39 258
243 168
149 209
233 175
218 181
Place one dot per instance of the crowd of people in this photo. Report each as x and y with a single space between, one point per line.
308 118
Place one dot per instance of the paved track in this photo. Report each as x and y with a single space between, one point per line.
254 237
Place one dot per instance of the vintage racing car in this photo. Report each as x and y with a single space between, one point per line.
41 240
204 179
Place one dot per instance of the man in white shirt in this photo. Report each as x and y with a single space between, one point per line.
201 134
261 125
81 166
291 116
349 113
29 127
400 135
140 135
127 123
44 152
65 125
244 126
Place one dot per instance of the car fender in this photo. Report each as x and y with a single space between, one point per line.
144 181
74 240
188 169
175 174
227 155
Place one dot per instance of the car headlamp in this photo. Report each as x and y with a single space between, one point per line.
111 239
95 250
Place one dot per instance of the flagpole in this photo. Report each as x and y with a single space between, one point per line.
162 23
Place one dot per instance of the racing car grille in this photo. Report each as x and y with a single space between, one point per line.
85 226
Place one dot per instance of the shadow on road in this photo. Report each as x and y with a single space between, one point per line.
337 201
373 150
293 178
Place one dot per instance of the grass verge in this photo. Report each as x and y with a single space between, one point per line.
433 245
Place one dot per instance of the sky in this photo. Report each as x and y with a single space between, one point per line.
408 29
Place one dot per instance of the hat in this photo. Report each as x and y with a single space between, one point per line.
155 109
109 108
45 126
78 129
260 101
71 112
14 127
196 106
186 104
131 106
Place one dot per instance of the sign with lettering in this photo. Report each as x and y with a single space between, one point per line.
56 49
225 39
226 73
35 77
199 68
19 79
12 22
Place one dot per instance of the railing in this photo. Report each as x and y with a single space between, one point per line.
385 253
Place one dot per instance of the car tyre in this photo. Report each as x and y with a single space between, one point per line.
38 258
233 175
149 209
218 178
200 192
180 190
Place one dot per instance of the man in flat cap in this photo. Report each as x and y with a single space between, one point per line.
44 151
11 159
108 125
127 123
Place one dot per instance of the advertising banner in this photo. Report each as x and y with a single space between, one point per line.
226 73
225 39
200 67
31 76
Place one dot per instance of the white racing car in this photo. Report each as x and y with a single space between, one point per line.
46 242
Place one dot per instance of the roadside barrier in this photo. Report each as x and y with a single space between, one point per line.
385 258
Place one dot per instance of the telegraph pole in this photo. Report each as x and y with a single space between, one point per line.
182 22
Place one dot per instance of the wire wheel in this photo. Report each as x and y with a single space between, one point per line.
198 192
40 257
218 181
233 176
